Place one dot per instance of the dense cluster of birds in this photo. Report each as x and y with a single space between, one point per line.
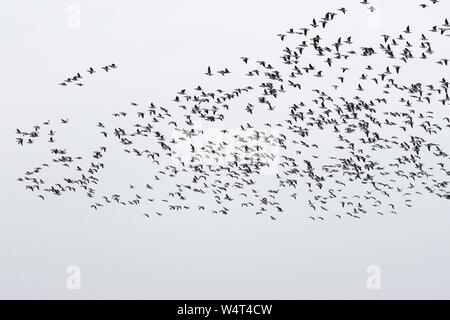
76 79
345 156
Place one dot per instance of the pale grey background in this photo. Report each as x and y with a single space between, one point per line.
161 47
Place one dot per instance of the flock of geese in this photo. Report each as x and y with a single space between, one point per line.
354 139
76 79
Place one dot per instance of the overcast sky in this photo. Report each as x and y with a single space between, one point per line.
161 48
